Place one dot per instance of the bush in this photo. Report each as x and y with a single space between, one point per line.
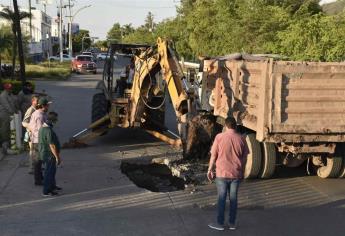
17 85
55 71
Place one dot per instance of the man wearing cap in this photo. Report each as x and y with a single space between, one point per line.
38 118
7 108
49 151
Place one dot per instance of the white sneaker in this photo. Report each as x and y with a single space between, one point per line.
232 227
216 226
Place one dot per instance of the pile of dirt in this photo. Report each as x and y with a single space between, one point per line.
74 143
191 171
202 130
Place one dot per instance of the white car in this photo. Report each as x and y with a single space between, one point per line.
65 57
102 56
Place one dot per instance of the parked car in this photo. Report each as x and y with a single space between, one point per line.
65 57
83 63
102 56
6 70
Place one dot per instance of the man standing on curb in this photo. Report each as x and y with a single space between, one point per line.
229 155
7 108
49 151
38 118
25 123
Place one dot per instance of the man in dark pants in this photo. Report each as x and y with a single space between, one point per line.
229 155
49 151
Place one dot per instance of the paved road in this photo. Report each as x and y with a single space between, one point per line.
99 200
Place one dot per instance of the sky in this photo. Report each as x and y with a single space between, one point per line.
102 14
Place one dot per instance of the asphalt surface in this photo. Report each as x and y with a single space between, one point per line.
97 199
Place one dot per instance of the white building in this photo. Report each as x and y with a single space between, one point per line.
40 44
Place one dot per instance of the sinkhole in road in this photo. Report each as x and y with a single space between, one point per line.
153 177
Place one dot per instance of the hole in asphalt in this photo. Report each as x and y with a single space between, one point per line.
154 177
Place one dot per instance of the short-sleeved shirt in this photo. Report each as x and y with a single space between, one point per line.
27 116
36 121
46 137
230 150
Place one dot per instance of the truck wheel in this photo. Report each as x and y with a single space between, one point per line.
99 107
269 158
342 171
332 167
253 164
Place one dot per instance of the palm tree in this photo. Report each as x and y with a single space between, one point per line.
9 15
5 43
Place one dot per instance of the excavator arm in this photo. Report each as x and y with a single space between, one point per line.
156 63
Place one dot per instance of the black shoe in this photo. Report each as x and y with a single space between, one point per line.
38 183
50 194
57 188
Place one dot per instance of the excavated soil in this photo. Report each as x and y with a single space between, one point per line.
202 130
73 143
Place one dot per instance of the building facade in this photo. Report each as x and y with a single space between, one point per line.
40 45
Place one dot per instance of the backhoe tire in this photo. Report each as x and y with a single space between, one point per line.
332 168
99 107
269 158
254 158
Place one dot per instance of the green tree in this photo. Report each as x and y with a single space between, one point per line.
5 42
14 17
115 33
78 41
149 22
127 29
141 35
318 38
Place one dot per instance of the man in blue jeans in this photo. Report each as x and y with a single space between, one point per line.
228 156
49 151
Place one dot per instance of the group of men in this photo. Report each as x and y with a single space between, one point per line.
43 141
44 144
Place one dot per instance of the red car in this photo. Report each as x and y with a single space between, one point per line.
83 63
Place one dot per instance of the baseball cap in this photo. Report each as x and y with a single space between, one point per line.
7 86
43 101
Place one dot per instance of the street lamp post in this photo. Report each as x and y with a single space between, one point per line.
71 19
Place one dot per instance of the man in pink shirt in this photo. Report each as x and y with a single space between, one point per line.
228 155
38 118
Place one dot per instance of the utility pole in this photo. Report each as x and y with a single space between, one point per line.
60 32
30 21
70 30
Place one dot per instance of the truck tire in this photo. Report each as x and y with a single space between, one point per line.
332 168
253 164
269 158
342 171
99 107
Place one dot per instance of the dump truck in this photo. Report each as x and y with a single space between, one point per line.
290 112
